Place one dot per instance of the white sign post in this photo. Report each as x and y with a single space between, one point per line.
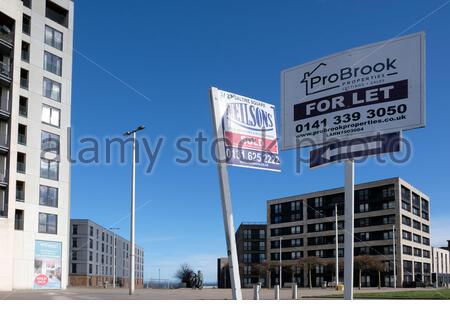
379 88
245 134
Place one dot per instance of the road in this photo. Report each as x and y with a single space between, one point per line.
166 294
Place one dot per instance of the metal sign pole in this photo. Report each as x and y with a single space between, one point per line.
337 247
349 228
226 199
394 258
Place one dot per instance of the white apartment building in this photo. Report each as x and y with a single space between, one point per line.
441 266
36 39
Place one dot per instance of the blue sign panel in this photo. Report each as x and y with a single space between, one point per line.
47 265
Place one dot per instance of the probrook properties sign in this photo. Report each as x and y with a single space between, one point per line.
249 131
356 93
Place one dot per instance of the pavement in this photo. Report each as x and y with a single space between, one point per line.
170 294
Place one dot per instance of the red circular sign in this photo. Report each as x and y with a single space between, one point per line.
41 280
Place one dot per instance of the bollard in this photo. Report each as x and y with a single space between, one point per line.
294 291
277 292
256 289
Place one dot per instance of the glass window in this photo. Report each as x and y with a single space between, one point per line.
51 89
48 196
52 63
49 142
53 38
48 223
26 24
18 220
49 169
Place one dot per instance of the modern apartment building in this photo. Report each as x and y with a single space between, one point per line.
251 251
94 250
35 115
306 225
223 273
441 266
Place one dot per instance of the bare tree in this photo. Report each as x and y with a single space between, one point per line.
366 263
309 263
184 273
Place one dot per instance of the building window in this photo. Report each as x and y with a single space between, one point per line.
417 238
22 134
23 106
247 258
247 246
20 190
416 225
51 89
27 3
74 268
24 79
49 142
26 24
406 221
21 162
3 201
48 196
49 169
75 229
91 231
406 235
18 220
417 252
56 13
53 38
425 228
426 241
90 268
25 51
48 223
74 255
52 63
91 244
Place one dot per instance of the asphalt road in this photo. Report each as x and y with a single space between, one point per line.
165 294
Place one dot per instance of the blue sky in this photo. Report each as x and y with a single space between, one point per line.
152 62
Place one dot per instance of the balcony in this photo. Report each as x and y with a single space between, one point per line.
3 179
6 33
5 73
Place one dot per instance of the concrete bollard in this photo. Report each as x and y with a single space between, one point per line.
256 290
294 292
277 292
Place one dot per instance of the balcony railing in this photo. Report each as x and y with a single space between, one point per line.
5 69
3 177
6 35
21 167
20 195
24 83
22 138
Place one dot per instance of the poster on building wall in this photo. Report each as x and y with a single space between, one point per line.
47 265
249 131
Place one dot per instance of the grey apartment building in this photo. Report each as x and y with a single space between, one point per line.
251 251
306 225
94 250
35 116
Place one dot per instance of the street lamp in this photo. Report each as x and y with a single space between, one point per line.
114 255
133 182
281 274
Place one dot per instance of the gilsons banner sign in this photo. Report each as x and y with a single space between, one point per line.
249 131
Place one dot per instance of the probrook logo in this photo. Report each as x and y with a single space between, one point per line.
318 80
250 117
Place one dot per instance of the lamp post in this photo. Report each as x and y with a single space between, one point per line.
114 255
132 228
281 271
